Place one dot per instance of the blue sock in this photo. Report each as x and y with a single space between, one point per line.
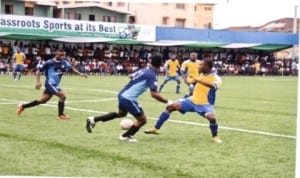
177 88
162 118
214 129
161 87
186 96
15 75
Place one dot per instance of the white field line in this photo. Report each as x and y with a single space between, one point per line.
67 88
174 121
191 123
177 121
45 177
88 101
54 102
10 103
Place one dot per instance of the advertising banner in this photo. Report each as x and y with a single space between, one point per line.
28 25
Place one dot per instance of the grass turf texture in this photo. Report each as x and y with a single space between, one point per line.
38 144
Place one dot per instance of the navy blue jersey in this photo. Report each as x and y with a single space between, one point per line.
54 69
139 83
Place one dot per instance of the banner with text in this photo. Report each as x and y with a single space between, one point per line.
28 25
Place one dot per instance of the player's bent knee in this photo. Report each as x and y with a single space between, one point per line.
210 116
175 106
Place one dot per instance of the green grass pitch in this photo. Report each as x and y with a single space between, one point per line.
38 144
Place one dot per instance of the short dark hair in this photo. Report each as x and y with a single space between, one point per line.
209 63
156 60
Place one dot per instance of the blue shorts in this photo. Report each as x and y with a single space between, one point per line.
176 78
188 106
52 89
19 68
130 106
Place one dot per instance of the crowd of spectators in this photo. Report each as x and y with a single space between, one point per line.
124 59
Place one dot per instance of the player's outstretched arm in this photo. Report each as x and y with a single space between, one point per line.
79 73
38 80
156 95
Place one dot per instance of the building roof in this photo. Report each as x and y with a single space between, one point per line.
280 25
42 2
97 5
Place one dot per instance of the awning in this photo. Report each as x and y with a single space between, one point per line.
168 43
204 45
270 47
82 39
125 42
240 45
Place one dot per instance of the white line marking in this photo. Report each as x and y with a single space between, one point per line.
152 118
180 122
45 177
190 123
88 101
54 102
67 88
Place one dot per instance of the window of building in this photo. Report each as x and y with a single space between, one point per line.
29 11
207 8
9 9
121 4
109 19
195 8
180 23
180 6
57 13
92 17
165 4
165 20
109 3
75 16
131 19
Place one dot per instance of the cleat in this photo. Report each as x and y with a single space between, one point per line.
216 139
90 124
127 139
20 109
152 131
63 117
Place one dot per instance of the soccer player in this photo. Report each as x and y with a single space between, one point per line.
189 71
19 59
202 101
172 67
140 81
53 69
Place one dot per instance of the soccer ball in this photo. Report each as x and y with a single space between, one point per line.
125 124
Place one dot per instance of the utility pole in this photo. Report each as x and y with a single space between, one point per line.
295 30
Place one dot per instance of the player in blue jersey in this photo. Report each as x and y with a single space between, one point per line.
141 80
53 69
